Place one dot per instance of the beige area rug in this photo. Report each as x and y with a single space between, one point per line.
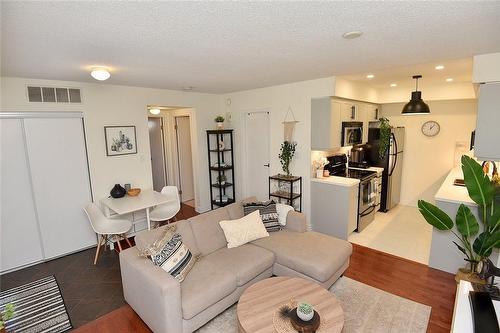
366 310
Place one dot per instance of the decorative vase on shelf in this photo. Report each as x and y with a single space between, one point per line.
305 311
220 125
118 191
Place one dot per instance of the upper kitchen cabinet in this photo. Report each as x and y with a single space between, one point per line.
486 70
370 113
325 123
350 111
487 140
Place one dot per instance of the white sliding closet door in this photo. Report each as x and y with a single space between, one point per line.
61 186
19 235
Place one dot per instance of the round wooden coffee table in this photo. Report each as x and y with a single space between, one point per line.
258 303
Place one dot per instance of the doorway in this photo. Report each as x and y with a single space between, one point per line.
184 159
156 144
257 143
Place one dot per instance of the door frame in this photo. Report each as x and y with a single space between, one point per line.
174 165
244 146
163 147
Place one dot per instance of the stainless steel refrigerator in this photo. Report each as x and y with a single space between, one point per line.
392 162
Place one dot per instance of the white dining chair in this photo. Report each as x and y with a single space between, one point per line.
106 229
168 210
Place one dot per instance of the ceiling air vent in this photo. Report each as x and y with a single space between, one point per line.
54 95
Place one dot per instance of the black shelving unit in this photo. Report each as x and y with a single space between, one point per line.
220 162
283 188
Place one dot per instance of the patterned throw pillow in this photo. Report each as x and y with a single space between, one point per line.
174 257
267 212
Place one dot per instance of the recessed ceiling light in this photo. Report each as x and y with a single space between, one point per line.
393 85
154 111
370 76
352 34
100 73
439 67
450 79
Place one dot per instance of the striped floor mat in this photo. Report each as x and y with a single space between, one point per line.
39 307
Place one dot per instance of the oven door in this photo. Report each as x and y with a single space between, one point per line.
367 202
353 136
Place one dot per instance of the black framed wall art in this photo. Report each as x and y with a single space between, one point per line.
120 140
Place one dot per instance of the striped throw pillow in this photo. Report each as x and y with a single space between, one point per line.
175 257
267 211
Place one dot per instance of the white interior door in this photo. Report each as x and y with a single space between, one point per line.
257 154
185 158
157 152
20 242
61 185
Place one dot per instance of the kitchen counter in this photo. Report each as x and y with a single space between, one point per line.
335 180
451 193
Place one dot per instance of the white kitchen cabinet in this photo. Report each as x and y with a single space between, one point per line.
370 114
325 123
351 111
45 185
487 139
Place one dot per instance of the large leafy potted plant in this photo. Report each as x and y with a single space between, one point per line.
476 240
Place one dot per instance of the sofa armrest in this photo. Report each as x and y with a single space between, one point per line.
153 293
296 221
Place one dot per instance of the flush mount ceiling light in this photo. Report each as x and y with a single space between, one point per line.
100 73
352 34
187 88
155 111
439 67
416 105
450 79
393 85
370 76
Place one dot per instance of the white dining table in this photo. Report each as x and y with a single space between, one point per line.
144 201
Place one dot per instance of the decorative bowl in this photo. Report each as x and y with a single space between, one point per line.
133 192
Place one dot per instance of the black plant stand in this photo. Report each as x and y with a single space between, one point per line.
221 163
283 188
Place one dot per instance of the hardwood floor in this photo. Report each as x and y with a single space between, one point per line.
407 279
395 275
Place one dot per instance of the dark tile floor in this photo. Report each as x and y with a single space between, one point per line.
89 291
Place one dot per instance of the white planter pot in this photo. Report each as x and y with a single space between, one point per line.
220 126
304 316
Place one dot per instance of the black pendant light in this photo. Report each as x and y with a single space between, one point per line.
416 105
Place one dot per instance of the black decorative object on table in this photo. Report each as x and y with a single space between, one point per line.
483 313
118 191
486 270
221 167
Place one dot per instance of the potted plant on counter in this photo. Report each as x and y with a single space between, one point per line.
220 122
6 314
476 240
385 137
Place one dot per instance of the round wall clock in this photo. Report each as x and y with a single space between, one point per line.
430 128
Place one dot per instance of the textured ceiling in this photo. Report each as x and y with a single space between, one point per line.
230 46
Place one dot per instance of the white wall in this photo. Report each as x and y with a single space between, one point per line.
355 90
277 99
443 91
105 104
427 161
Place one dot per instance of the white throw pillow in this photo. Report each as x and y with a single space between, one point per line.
282 211
243 230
